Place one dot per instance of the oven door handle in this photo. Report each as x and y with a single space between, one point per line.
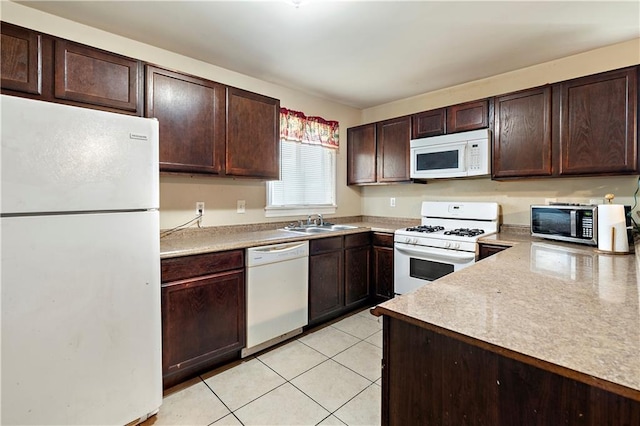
450 254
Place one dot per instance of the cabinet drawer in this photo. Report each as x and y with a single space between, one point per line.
357 240
325 244
382 239
179 268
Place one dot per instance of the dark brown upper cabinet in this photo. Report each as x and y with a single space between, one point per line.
361 154
47 68
468 116
92 76
393 141
452 119
582 127
522 134
428 123
597 128
21 59
191 114
253 135
379 152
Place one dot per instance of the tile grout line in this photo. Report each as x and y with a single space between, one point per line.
331 413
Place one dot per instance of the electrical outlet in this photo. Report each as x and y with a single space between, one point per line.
392 202
241 206
200 208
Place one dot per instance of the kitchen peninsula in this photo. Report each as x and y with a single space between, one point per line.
541 333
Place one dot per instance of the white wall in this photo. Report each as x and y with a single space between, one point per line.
513 196
178 194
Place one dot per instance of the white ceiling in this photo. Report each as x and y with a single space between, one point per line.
364 53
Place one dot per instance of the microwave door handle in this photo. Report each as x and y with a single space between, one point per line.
464 158
574 223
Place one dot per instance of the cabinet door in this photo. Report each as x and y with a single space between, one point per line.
21 59
393 141
361 154
191 115
326 284
253 135
202 318
92 76
468 116
486 250
357 269
522 134
383 272
598 124
428 123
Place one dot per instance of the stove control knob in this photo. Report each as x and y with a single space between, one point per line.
414 241
447 245
456 246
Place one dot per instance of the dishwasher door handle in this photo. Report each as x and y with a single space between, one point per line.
277 248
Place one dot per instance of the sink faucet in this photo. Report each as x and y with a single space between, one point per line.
320 220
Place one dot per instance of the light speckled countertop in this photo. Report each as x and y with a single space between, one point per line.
560 306
197 241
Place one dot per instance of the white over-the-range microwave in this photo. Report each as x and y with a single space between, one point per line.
463 154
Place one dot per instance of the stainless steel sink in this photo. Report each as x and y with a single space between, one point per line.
318 229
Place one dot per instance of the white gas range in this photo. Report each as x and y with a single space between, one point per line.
445 242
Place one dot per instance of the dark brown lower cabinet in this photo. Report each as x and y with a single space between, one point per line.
382 266
357 268
326 285
339 272
486 250
430 378
203 313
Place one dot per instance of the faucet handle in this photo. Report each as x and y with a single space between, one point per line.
320 219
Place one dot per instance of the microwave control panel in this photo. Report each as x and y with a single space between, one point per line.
475 156
587 225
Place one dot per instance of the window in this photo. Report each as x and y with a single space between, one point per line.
307 182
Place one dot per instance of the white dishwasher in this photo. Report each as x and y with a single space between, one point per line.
277 293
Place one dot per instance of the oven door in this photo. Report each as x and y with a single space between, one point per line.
415 265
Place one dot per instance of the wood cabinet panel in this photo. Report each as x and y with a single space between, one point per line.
486 250
96 77
178 268
382 285
428 123
21 59
598 124
202 318
383 272
431 378
393 141
253 135
522 134
326 284
357 240
191 115
382 239
357 271
361 154
468 116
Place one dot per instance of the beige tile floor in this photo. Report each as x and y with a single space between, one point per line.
328 376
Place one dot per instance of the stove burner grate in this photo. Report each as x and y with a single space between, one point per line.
465 232
426 228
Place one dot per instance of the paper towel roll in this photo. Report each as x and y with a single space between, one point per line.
612 229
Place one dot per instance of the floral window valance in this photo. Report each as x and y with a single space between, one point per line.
295 126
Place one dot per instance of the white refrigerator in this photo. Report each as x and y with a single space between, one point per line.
80 277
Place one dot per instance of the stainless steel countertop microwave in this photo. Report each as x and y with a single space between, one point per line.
463 154
565 222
